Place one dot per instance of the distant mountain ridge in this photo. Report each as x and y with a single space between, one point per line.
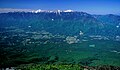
6 10
63 22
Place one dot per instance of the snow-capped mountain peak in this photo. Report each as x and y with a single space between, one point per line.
68 11
39 10
6 10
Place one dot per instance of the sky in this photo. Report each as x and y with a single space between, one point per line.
89 6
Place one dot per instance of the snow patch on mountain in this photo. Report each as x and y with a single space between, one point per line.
68 11
6 10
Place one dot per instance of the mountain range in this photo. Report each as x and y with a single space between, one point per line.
6 10
66 22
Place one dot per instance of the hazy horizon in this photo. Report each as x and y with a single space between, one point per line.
89 6
6 10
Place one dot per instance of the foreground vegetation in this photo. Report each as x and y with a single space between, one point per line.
64 67
49 67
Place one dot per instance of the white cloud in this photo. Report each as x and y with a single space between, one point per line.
6 10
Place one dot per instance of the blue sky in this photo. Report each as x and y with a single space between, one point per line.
90 6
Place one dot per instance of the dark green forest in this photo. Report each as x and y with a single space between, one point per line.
54 41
